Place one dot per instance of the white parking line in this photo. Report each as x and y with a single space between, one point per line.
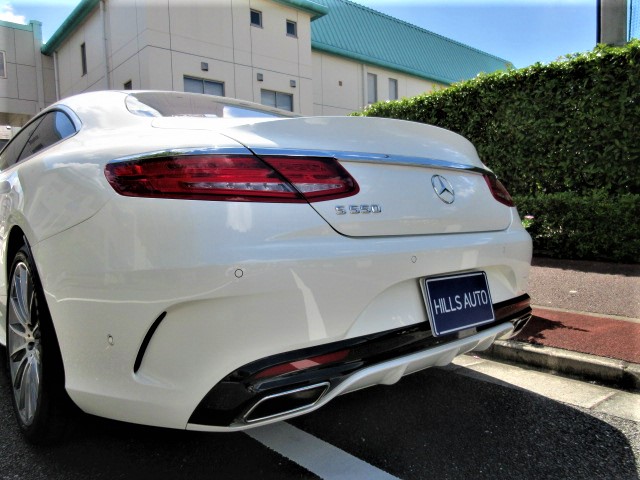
578 393
317 456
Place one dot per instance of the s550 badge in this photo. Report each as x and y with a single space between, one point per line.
356 209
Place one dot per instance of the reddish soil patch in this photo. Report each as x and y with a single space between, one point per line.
600 336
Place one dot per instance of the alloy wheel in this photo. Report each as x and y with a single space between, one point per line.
23 343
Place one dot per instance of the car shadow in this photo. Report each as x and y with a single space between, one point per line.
534 331
439 424
98 448
432 424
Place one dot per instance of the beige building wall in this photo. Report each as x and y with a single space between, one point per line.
154 43
340 84
71 79
27 85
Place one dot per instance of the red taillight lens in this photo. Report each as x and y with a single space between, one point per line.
316 178
499 191
303 364
234 178
201 178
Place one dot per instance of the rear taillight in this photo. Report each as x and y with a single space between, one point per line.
499 191
315 178
233 178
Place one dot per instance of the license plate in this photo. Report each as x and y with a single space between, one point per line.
458 302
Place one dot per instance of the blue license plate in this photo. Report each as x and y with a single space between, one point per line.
458 302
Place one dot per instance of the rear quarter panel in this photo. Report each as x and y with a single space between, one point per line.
64 185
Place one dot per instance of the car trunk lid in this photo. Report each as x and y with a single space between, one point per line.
414 179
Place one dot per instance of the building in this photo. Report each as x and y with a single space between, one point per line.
323 57
361 56
26 75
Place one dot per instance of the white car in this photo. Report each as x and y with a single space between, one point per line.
197 262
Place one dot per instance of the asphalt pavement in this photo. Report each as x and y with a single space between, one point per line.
473 419
586 322
461 422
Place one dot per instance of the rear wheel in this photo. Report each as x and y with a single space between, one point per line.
33 356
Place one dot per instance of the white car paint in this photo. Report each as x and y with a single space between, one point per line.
243 280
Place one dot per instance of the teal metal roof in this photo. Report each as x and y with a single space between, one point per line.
18 26
311 7
77 16
358 32
85 7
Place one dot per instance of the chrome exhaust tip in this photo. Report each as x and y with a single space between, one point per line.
283 403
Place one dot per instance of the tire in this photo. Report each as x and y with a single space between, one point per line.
41 405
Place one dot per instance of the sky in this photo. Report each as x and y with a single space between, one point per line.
520 31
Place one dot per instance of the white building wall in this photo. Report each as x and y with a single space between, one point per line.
49 80
121 20
340 84
281 58
69 60
155 43
24 91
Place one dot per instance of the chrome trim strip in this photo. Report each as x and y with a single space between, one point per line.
359 157
363 157
185 152
282 394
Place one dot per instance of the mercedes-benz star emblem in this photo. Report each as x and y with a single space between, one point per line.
443 189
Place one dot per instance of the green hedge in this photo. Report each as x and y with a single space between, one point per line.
572 126
596 227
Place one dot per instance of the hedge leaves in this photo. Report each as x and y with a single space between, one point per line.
563 137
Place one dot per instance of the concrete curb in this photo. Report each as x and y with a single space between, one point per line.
609 371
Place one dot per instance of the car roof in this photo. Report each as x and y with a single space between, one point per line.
111 108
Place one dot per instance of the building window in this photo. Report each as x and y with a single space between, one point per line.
393 89
372 88
128 85
283 101
3 65
200 85
83 58
256 18
292 28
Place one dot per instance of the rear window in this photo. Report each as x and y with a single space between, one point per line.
172 104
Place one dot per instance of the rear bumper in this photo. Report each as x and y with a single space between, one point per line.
153 318
246 398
